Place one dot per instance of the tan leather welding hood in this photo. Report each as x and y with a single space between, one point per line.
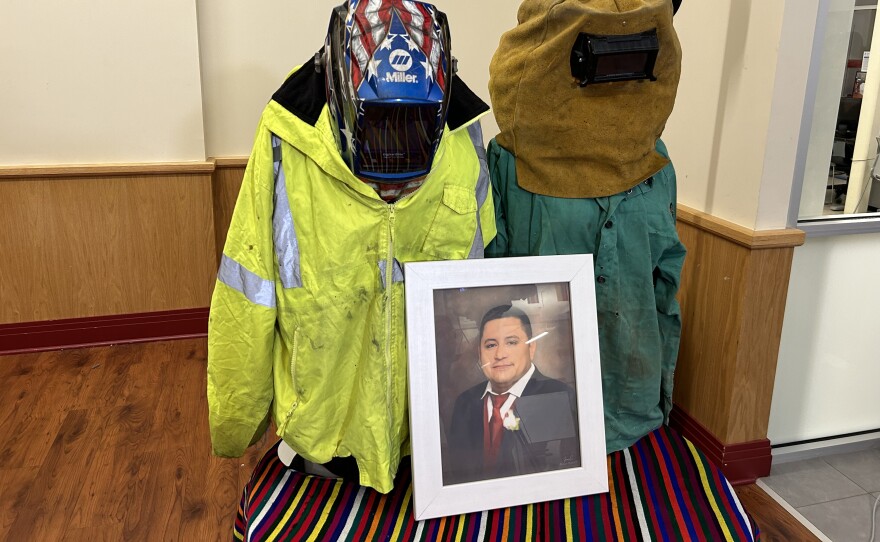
575 135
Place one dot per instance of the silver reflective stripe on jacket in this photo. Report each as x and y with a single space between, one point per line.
396 271
283 231
257 290
476 133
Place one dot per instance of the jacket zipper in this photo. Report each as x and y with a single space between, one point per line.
389 278
292 382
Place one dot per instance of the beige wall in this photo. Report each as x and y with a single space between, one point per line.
135 84
475 36
100 81
794 54
247 49
734 132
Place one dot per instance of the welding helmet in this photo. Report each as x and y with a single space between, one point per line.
387 67
582 89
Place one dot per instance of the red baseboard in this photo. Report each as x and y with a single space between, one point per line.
741 462
102 330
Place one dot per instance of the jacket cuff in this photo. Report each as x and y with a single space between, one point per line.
230 438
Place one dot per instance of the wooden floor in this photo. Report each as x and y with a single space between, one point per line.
112 444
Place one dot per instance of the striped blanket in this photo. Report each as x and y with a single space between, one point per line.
661 488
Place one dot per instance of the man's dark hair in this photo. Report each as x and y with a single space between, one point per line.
506 311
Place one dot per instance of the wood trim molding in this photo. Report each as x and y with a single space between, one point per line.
742 463
107 170
103 330
231 161
740 235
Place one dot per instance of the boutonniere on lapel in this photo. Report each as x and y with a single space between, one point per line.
511 422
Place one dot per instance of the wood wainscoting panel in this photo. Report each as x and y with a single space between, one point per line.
227 183
733 291
763 310
81 246
710 295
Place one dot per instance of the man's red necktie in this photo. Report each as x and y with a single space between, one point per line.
493 431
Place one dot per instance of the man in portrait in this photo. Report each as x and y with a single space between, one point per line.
517 421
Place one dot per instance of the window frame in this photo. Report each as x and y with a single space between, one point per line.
831 224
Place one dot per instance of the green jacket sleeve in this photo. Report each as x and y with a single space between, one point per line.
499 160
241 327
667 277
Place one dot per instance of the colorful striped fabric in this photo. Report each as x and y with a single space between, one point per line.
661 488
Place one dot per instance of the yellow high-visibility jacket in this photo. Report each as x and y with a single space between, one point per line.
307 316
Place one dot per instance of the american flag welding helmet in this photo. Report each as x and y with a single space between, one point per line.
387 65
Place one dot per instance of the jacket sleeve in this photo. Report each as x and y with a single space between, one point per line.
242 319
500 167
667 278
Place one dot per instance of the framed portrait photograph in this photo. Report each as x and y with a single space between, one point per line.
505 389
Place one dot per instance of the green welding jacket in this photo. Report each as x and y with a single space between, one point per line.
307 315
638 259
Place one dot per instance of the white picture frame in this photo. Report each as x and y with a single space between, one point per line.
444 300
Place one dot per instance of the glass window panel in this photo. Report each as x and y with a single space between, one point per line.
838 176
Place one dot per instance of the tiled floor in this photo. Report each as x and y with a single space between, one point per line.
835 493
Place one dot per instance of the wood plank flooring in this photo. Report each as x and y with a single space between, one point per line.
112 444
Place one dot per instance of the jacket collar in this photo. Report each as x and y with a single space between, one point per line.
296 111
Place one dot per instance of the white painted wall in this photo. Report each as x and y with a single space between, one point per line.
828 373
248 48
828 376
100 81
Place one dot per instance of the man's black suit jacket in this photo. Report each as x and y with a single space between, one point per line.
463 457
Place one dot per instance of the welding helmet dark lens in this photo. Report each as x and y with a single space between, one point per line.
396 141
604 59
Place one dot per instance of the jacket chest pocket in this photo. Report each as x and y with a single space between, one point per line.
454 225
